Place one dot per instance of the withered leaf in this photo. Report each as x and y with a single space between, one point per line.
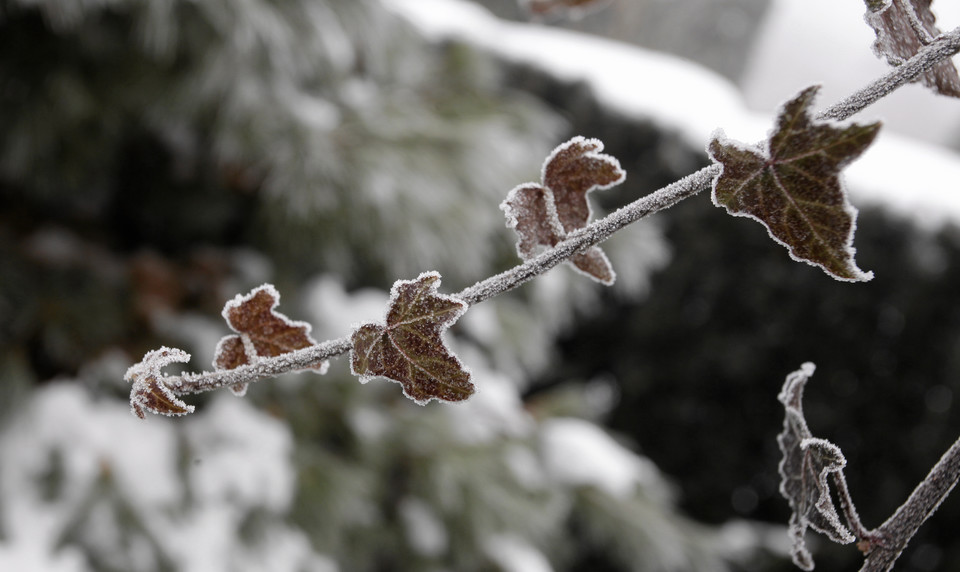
903 27
793 186
544 213
150 391
806 464
407 347
261 331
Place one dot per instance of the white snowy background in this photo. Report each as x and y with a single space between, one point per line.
246 454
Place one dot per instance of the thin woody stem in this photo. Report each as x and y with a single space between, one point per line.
945 46
888 541
849 509
594 233
598 231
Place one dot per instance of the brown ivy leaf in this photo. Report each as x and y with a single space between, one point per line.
543 214
407 347
793 186
898 25
261 332
807 462
150 392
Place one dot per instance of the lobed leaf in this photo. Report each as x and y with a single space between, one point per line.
261 332
793 186
150 392
903 28
806 464
543 214
407 347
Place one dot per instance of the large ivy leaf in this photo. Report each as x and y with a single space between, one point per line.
793 186
903 27
261 332
407 347
807 462
544 213
150 391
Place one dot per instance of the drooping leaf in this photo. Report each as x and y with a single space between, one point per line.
261 332
807 462
407 347
544 213
793 185
903 27
150 391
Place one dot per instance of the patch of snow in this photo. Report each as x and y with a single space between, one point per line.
579 453
63 428
681 95
514 554
424 530
496 409
335 312
240 455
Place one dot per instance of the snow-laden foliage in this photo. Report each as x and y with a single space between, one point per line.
329 115
85 487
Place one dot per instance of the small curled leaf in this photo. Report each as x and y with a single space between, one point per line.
261 332
807 462
407 347
543 214
793 185
150 391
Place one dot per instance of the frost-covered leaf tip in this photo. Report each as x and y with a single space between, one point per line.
407 347
793 185
807 462
261 332
903 28
544 213
150 391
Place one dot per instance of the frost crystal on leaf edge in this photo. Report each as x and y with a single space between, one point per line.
150 391
373 341
766 156
549 226
797 439
247 343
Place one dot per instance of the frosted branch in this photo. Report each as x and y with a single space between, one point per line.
888 541
592 234
296 360
945 46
